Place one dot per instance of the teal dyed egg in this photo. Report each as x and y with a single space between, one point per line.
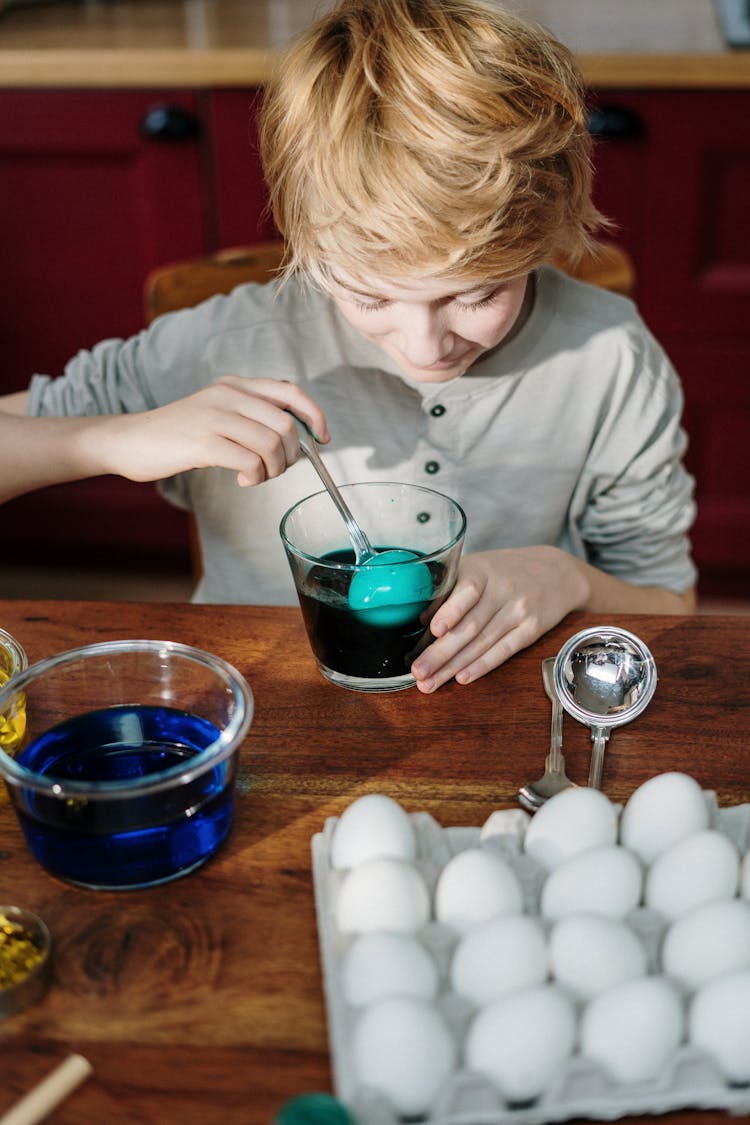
313 1109
388 592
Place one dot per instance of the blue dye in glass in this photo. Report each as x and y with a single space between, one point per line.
132 840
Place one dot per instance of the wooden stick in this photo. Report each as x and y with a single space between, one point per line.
48 1093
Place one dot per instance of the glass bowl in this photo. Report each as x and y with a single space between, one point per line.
125 777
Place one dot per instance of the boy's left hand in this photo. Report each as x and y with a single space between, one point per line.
502 602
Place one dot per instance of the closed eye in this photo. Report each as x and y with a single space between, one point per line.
375 304
369 306
482 303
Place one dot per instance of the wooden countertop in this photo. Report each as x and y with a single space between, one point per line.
196 43
200 1002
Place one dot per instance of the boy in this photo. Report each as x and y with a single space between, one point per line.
425 158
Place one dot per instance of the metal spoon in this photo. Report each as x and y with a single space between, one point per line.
383 583
605 677
363 548
554 779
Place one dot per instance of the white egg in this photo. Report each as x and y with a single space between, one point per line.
382 894
663 810
371 827
745 876
473 887
607 880
711 940
504 953
590 953
633 1029
719 1023
700 868
520 1042
506 824
403 1048
568 823
377 965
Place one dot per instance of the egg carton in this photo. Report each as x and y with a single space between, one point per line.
582 1089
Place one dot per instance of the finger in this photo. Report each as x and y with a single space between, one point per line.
463 598
466 647
285 396
470 628
463 668
252 448
255 422
225 454
473 668
224 438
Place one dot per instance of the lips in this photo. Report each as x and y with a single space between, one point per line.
443 364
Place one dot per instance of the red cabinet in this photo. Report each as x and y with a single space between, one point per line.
90 204
240 205
98 187
676 177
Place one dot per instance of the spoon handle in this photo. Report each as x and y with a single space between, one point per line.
556 727
362 547
600 736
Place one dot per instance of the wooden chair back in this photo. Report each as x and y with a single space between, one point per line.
180 285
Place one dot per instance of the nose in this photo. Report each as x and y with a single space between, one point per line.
425 337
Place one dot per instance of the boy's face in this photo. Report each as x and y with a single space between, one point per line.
434 330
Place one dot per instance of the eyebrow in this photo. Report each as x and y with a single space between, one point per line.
379 297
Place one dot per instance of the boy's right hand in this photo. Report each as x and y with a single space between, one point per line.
235 423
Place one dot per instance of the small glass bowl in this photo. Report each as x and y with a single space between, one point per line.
17 922
12 656
126 773
13 660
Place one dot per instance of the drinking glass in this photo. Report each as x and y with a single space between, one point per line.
369 643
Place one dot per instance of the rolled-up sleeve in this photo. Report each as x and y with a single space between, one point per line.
158 365
104 380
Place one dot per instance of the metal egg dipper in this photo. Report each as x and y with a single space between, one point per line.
604 677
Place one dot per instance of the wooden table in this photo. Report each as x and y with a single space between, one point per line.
201 1002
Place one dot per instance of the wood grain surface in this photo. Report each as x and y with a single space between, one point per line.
200 1002
203 43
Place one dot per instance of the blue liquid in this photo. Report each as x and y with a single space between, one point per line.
128 841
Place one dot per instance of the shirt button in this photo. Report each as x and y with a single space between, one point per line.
432 467
438 411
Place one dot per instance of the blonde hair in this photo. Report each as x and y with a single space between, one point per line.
427 138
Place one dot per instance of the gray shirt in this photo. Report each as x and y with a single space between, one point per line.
569 434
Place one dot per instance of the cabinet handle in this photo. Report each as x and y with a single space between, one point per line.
615 123
169 123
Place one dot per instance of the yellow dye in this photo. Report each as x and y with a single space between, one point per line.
19 953
12 721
